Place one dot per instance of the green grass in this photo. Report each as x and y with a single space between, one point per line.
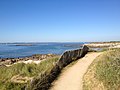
23 70
104 72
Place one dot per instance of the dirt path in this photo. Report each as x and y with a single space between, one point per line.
71 78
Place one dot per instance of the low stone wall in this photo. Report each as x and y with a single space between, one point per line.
72 55
66 58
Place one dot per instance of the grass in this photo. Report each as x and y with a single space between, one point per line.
44 81
104 72
23 70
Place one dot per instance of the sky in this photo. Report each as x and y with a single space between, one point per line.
59 20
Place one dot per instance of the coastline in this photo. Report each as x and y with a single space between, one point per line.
103 45
39 59
36 58
15 50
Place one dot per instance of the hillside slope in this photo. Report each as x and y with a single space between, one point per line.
104 72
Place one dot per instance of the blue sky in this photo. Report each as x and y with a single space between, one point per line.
59 20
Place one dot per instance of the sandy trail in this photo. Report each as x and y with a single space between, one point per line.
71 78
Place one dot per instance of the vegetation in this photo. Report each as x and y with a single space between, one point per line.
44 80
37 76
17 76
104 72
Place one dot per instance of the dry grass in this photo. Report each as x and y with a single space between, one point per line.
104 72
17 76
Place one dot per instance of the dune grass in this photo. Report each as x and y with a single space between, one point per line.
104 72
23 70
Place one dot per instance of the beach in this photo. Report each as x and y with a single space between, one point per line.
103 45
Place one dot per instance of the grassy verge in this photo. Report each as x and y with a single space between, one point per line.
104 72
17 76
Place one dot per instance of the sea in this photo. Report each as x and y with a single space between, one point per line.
15 50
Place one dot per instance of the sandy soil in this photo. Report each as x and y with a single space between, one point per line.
30 61
71 78
26 62
111 45
117 46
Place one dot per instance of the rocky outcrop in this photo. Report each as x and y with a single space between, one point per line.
36 57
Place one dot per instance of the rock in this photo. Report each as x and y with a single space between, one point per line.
9 61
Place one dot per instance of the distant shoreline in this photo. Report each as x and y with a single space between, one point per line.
104 44
23 45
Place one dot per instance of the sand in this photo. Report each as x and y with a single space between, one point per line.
30 61
71 78
111 45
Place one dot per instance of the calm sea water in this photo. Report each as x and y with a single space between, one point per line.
11 50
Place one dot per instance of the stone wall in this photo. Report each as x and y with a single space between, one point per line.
44 83
72 55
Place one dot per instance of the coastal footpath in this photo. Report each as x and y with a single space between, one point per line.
36 72
66 58
54 71
95 71
71 78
